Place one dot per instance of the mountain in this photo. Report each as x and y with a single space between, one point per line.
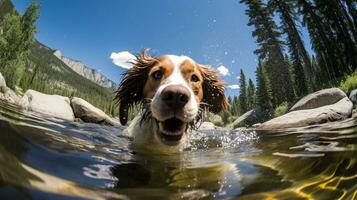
47 73
89 73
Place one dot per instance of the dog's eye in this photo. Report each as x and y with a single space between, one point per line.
157 75
194 78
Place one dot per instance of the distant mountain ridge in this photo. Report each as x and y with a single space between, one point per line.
87 72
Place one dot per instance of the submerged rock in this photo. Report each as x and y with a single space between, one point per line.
319 98
54 105
299 118
89 113
248 119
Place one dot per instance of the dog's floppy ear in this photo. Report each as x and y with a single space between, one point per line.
213 90
130 90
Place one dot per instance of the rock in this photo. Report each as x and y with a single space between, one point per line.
54 105
89 73
319 98
353 96
6 93
89 113
248 119
338 111
11 97
2 81
207 126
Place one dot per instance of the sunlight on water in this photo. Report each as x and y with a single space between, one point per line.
50 158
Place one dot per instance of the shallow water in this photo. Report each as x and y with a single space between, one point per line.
54 159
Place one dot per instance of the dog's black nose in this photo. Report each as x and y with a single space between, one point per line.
175 96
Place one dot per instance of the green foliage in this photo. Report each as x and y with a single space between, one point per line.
3 89
263 92
251 95
215 119
243 93
281 109
15 42
349 83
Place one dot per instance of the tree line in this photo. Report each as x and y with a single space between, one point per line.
286 71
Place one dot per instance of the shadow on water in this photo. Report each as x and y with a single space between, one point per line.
47 158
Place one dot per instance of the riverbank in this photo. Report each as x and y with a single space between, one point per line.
323 106
71 109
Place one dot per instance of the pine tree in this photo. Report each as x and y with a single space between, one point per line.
251 95
299 55
270 51
236 106
243 93
321 39
341 34
262 93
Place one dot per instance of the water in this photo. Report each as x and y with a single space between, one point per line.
53 159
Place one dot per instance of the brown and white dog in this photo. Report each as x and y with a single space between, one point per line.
172 91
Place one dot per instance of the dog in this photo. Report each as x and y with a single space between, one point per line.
172 93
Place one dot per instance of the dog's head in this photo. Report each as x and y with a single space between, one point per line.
172 90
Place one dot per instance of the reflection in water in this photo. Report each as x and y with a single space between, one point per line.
54 159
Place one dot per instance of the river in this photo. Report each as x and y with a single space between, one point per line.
48 158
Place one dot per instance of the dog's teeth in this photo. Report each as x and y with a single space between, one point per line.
171 133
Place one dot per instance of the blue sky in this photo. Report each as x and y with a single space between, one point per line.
211 32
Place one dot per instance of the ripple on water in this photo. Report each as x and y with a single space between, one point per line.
48 157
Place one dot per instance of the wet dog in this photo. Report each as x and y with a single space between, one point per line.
172 93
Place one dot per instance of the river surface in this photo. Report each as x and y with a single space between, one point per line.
47 158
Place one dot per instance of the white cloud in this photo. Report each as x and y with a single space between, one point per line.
238 77
223 70
122 59
233 87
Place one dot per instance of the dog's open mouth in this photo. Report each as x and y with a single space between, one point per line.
172 130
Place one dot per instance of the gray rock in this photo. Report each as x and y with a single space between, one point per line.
319 98
11 97
91 114
89 73
338 111
248 119
2 81
207 126
353 96
53 105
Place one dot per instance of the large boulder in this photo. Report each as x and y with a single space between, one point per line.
337 111
54 105
319 98
89 113
353 96
248 119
